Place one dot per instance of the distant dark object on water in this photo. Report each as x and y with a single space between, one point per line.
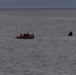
70 34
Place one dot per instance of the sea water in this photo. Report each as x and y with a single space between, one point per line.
51 52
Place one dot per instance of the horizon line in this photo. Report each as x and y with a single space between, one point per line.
38 8
42 7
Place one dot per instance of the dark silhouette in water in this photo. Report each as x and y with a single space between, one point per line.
70 34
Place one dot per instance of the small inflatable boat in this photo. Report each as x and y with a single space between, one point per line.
25 36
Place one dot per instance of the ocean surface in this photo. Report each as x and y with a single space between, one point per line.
51 52
40 12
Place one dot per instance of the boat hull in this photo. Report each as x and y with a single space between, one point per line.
24 37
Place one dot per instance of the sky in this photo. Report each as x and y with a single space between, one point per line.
37 3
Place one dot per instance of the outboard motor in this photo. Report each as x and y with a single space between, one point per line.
33 36
70 34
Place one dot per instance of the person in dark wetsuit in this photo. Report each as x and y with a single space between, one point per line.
24 34
20 35
70 34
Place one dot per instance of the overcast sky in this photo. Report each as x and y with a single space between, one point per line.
37 3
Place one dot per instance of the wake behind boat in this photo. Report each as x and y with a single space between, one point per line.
25 36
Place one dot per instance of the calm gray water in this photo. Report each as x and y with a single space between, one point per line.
43 12
52 52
